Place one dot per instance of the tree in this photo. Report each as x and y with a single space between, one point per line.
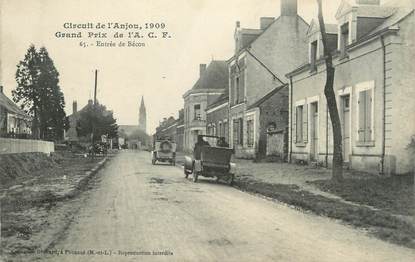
27 92
337 170
95 121
52 115
39 94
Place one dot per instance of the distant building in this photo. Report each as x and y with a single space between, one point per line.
14 122
180 131
212 82
372 47
173 129
135 136
142 119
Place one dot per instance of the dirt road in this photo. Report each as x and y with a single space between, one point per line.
141 212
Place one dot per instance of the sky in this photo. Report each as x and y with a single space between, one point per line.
162 71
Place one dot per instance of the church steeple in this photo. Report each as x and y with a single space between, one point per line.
142 118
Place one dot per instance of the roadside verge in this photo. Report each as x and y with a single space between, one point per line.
39 206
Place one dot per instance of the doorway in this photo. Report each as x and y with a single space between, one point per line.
346 127
314 131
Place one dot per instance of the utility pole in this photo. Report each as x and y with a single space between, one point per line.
95 90
94 110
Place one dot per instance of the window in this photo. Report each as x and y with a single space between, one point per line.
250 132
241 132
241 86
237 90
344 39
346 102
197 111
313 55
365 116
225 131
235 132
299 124
220 129
238 132
237 82
233 85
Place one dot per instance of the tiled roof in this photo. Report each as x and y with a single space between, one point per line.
214 77
251 31
76 114
400 10
375 11
396 17
266 97
220 100
10 106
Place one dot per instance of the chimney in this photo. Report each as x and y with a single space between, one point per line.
1 89
74 107
368 2
288 7
202 69
238 24
264 22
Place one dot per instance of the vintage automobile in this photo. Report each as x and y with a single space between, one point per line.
211 161
164 151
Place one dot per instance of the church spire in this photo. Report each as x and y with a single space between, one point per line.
142 118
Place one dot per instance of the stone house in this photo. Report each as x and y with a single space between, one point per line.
14 122
167 129
262 58
172 128
180 131
373 48
212 82
271 112
217 114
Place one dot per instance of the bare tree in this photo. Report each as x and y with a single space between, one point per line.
337 171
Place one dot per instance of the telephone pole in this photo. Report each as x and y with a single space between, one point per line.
94 110
95 90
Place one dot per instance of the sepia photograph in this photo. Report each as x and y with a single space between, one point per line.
207 130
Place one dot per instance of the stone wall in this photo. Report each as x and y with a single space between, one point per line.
12 146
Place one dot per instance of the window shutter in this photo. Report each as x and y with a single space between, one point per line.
294 126
235 132
232 94
241 86
305 123
368 124
361 105
241 131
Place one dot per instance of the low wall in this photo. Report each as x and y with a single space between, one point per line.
12 146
